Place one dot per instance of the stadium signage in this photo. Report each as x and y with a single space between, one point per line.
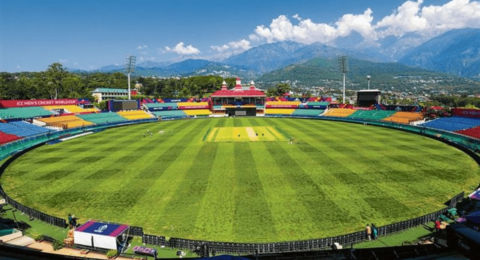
466 112
35 103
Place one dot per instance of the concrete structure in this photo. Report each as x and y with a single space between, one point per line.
109 93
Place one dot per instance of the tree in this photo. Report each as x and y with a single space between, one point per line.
55 74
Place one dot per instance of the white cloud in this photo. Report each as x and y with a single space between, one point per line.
180 49
63 60
282 29
241 45
220 48
409 17
142 47
18 67
75 63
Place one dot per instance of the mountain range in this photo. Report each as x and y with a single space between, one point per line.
456 52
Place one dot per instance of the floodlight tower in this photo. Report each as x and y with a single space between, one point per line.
368 81
130 68
343 66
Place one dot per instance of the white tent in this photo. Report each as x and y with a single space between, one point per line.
100 235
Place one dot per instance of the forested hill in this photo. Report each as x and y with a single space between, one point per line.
325 72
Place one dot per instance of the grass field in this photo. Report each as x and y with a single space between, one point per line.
245 134
332 180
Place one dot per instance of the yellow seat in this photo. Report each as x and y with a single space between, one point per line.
279 111
339 112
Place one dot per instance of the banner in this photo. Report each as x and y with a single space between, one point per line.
37 103
466 112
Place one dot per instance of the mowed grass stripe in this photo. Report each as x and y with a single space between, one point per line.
318 205
216 217
378 194
74 196
253 219
169 177
136 181
379 181
182 210
164 163
290 215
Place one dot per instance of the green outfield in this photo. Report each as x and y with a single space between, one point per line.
195 179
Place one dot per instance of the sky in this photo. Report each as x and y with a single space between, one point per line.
89 34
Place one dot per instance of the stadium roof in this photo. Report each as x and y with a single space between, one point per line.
238 91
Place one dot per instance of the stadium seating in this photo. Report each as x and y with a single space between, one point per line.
282 104
7 138
279 111
65 121
102 118
404 117
197 112
29 129
339 112
21 129
134 115
23 112
169 114
453 123
372 114
192 105
472 132
71 109
308 112
161 105
315 105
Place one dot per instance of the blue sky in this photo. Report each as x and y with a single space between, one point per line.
89 34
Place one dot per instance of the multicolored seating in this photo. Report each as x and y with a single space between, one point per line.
193 105
454 123
282 104
65 121
21 129
170 114
472 132
23 112
161 106
308 112
197 112
372 114
102 118
7 138
315 105
134 115
339 112
279 111
71 109
27 129
404 117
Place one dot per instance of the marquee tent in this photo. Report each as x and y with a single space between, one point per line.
100 235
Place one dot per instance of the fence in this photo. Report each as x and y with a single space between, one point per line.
283 247
21 146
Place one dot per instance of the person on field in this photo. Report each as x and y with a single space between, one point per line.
74 221
437 225
70 220
374 232
368 231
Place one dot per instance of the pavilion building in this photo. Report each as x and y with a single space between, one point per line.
239 101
